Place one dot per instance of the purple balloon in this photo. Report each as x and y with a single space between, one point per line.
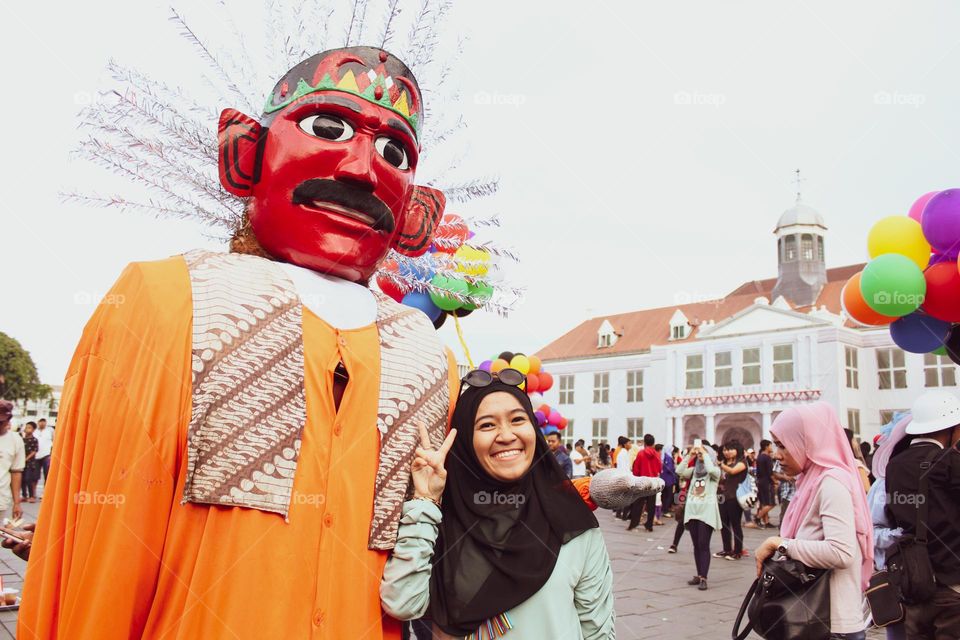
919 333
936 258
486 365
941 221
541 418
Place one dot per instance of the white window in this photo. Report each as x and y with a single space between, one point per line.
566 437
606 340
695 371
722 369
566 389
853 369
601 388
790 253
806 247
635 386
783 363
751 366
886 415
678 333
853 421
820 254
635 428
599 428
938 371
891 368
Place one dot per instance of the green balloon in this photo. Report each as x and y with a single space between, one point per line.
940 351
453 285
893 285
479 291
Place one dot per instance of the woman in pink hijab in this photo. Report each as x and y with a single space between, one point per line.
828 524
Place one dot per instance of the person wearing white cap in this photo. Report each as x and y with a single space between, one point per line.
935 431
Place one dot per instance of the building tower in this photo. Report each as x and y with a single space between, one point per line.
802 270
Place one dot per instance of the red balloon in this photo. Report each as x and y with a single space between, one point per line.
533 383
546 381
545 408
563 423
390 288
942 300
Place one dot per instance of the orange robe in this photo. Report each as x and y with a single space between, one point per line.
116 555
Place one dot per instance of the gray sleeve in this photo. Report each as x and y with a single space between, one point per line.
405 588
593 595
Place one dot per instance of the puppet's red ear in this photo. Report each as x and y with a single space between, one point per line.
240 140
420 221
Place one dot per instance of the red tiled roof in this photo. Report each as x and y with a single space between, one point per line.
639 330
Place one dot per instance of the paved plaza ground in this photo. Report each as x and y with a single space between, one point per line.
652 597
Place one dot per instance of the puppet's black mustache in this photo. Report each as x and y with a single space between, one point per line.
316 191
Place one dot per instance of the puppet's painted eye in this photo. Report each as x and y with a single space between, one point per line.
392 151
328 127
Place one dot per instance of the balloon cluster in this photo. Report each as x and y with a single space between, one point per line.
455 277
538 381
912 282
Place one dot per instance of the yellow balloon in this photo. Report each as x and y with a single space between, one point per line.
899 234
521 364
472 262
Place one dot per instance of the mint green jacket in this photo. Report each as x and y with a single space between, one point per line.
576 603
703 507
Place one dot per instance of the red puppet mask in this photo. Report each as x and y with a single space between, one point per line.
329 169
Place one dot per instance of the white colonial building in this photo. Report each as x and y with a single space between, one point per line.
725 368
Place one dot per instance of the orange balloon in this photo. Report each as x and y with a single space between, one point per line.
857 308
534 364
499 365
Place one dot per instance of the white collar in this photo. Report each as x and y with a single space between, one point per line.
340 303
928 440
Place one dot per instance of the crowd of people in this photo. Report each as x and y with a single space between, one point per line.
844 506
24 458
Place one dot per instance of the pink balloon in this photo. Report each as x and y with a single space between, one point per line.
916 209
554 418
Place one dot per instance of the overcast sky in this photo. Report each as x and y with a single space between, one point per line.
645 149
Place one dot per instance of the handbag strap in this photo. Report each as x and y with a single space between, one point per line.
736 633
921 524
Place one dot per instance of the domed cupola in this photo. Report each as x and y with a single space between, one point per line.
800 254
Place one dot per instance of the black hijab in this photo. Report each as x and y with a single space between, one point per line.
498 542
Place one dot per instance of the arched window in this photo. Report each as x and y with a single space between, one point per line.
806 247
820 252
790 253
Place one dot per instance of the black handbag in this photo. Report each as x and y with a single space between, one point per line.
886 602
909 565
789 601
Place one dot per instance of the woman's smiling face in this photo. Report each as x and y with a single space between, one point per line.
504 438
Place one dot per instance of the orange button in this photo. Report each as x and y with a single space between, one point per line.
337 429
328 520
318 617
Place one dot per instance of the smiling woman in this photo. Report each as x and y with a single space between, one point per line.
515 545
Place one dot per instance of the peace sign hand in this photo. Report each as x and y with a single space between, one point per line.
429 474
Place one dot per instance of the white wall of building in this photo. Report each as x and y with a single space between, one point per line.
819 345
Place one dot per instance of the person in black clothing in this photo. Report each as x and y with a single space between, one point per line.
734 470
936 430
765 484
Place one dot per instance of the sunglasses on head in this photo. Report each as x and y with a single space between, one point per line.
481 378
